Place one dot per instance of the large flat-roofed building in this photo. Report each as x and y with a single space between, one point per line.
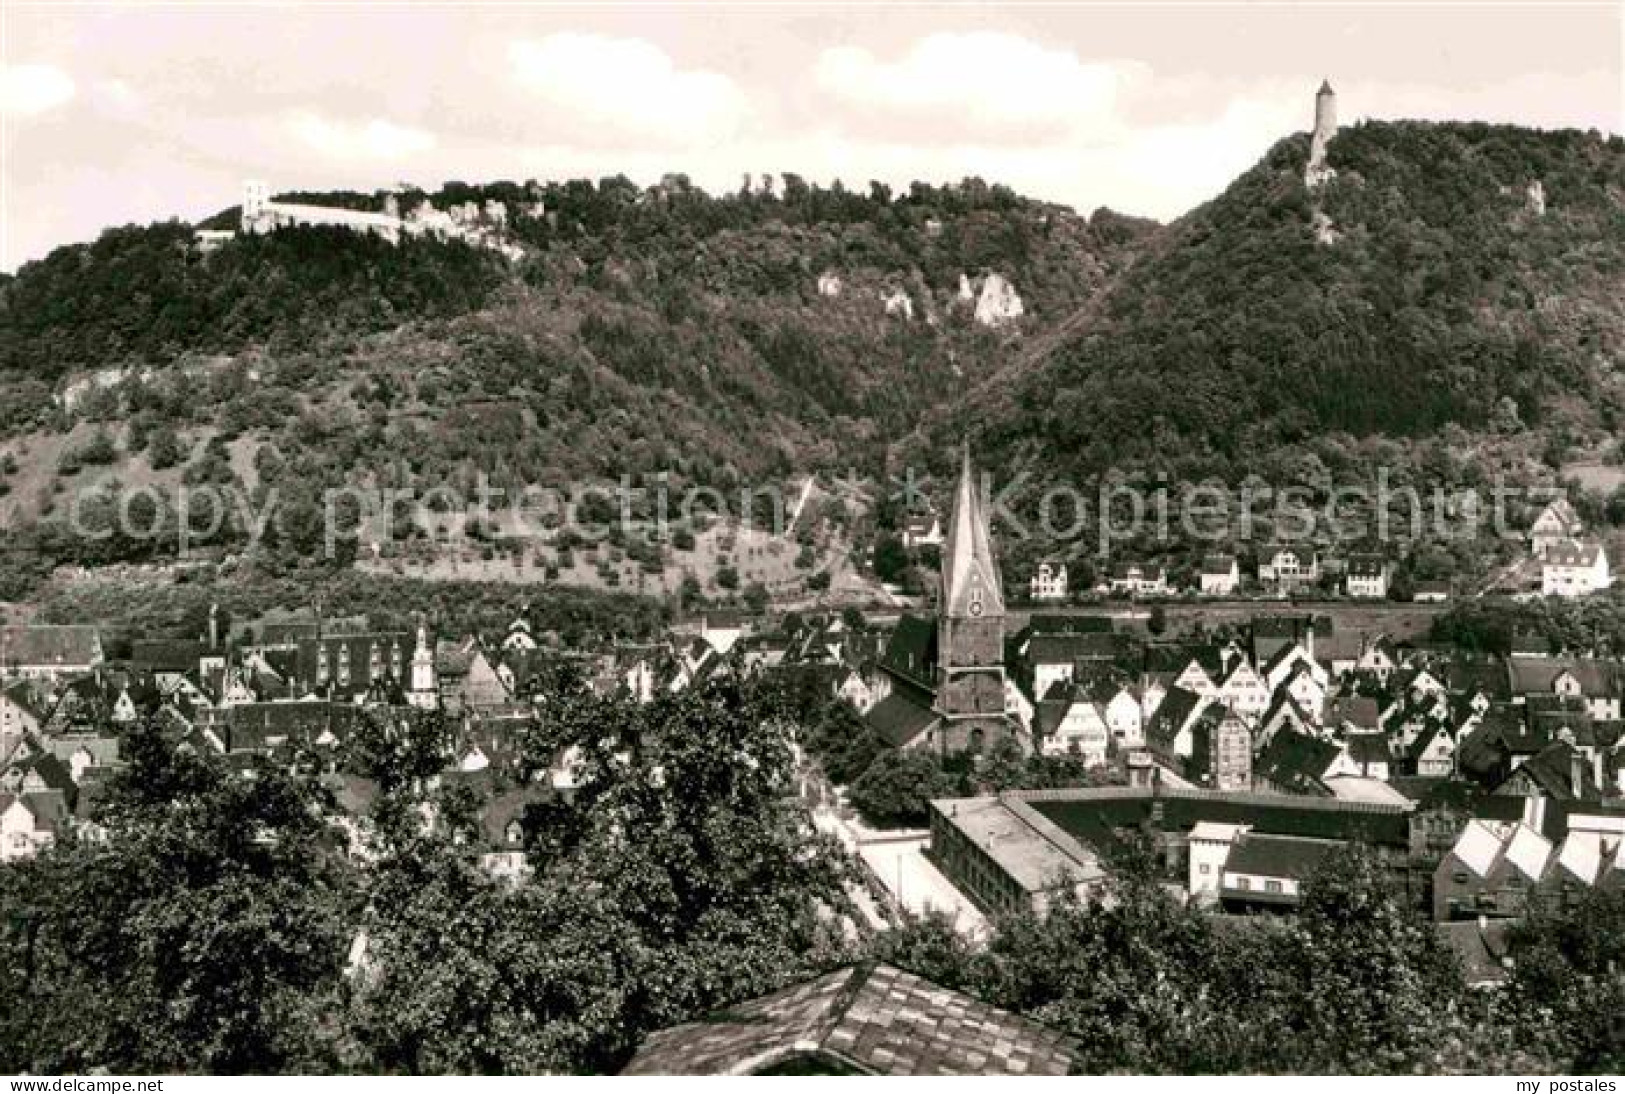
1005 856
1018 850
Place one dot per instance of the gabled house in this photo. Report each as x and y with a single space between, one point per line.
22 714
1125 716
1560 772
1433 753
1574 568
1287 659
856 689
1553 526
1293 763
1492 870
1377 659
1284 715
1600 684
1306 691
1170 732
1268 871
1286 567
1069 723
30 821
1244 690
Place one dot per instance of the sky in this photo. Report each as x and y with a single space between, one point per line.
128 112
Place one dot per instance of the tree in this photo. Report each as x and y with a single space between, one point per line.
679 876
896 787
756 597
164 447
216 902
891 560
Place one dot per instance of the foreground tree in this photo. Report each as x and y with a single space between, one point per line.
207 933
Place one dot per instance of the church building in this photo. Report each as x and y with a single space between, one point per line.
948 689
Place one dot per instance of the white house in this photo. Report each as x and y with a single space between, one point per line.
1125 718
1573 568
1288 566
1049 583
29 822
1245 692
1366 576
1220 576
1081 729
922 530
1137 580
1210 843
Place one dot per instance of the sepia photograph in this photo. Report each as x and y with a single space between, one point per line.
811 539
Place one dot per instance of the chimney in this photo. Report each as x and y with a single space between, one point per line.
214 626
1577 772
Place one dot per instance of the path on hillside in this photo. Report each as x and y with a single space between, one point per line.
801 502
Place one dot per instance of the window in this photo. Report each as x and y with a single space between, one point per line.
1272 886
1204 868
1244 883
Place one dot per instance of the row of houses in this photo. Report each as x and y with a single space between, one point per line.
1281 569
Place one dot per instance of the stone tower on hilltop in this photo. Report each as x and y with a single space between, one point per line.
1325 129
970 626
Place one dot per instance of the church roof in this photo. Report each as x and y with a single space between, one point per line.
969 570
1325 88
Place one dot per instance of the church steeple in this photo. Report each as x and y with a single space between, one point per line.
970 620
971 585
425 690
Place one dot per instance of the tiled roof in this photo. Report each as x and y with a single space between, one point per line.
49 807
912 650
1295 760
1367 565
1064 649
901 716
867 1018
1553 770
1479 947
1573 553
1278 856
1369 747
1538 675
1357 710
66 646
167 655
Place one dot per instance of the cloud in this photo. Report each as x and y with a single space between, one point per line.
610 90
374 140
31 89
1003 86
